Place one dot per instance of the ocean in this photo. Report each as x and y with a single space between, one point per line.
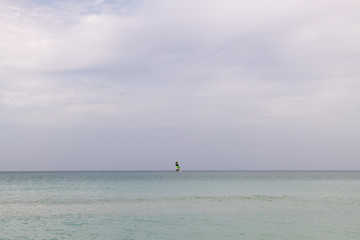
251 205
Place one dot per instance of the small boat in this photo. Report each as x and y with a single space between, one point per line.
178 169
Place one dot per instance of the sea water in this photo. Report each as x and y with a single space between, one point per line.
188 205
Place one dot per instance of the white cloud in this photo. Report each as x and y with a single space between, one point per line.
230 76
160 64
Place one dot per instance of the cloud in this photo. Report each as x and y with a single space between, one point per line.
200 45
217 68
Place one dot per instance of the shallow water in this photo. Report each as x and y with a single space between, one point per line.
187 205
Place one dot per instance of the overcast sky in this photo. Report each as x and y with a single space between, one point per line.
213 84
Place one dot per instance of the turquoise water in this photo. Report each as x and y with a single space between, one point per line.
187 205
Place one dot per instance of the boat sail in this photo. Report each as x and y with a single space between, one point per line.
178 169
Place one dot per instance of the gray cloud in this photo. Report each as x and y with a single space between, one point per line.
219 85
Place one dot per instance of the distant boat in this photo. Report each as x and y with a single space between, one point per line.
178 169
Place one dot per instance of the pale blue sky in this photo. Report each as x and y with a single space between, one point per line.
138 85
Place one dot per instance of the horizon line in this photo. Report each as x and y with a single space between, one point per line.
193 170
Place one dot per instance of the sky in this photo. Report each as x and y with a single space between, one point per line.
215 85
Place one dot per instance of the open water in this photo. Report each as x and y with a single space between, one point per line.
188 205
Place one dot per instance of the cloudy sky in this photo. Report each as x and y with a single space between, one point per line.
214 84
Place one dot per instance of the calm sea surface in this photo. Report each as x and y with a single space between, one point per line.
188 205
